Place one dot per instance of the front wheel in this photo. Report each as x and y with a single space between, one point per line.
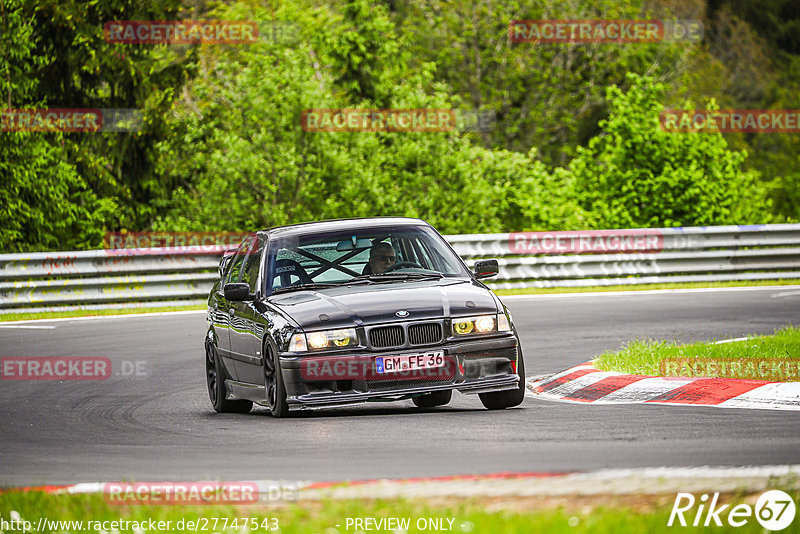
215 380
509 398
274 388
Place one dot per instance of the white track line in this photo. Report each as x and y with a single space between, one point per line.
785 294
26 326
96 317
583 294
733 340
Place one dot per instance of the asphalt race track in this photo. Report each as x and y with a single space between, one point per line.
160 426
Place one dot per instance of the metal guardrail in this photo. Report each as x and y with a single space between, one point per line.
157 277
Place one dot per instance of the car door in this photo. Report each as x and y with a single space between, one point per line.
246 332
223 313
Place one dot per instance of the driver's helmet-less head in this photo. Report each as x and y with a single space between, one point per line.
381 257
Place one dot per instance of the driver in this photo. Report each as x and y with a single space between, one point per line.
381 257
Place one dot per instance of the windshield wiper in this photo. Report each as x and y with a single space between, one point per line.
432 274
394 277
300 287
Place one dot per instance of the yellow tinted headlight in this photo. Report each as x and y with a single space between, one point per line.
343 337
463 327
340 338
481 324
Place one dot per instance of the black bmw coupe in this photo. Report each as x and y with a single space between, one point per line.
341 312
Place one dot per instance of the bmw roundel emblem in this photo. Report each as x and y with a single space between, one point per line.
401 313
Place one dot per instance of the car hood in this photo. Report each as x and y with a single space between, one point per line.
379 303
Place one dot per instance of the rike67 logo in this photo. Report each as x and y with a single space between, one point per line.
774 510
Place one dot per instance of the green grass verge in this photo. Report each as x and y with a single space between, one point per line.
645 287
92 313
573 515
774 358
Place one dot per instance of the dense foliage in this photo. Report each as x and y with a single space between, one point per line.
576 141
636 175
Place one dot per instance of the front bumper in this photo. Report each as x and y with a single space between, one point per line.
473 366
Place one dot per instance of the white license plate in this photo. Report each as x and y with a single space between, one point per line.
409 362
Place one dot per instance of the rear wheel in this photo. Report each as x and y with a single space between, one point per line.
274 387
438 398
509 398
215 380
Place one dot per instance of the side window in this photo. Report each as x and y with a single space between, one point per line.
252 263
235 269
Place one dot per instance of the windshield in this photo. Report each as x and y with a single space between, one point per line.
336 257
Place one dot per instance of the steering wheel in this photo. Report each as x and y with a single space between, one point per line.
401 264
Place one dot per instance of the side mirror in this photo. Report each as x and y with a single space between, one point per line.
239 291
486 268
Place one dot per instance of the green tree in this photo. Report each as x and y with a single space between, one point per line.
44 203
245 161
86 71
549 96
635 174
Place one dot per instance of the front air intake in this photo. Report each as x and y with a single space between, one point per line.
425 333
385 337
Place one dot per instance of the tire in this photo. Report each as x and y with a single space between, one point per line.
215 380
430 400
274 387
509 398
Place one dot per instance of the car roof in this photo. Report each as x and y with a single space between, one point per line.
333 225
